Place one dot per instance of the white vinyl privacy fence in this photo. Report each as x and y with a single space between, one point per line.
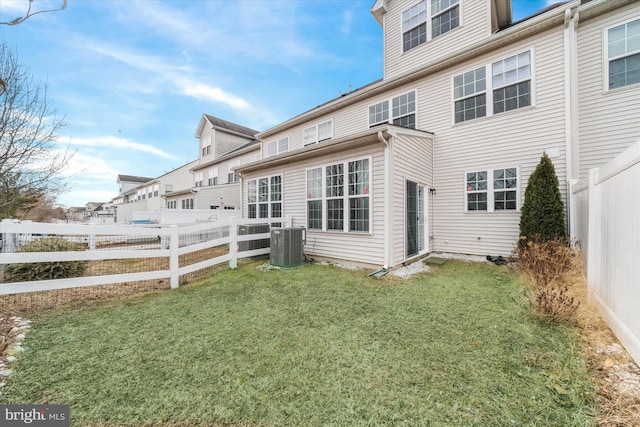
608 224
171 251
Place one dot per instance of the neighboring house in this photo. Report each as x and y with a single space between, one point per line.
151 194
436 155
223 146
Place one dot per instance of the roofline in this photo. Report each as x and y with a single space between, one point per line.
370 136
220 128
226 157
498 40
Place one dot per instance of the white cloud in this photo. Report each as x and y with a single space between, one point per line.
202 91
112 142
83 167
347 18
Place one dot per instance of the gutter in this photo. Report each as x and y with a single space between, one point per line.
388 175
572 18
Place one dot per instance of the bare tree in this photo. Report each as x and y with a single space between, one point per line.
30 164
29 12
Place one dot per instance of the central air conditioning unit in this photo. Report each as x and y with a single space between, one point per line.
249 245
287 246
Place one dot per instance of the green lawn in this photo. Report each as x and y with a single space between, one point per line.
316 345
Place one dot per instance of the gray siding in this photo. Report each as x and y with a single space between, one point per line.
475 25
608 120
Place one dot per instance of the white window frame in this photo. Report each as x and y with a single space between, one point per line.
213 176
198 179
490 88
168 188
156 190
311 135
429 16
188 203
491 190
172 204
606 60
345 197
390 110
206 146
278 146
271 198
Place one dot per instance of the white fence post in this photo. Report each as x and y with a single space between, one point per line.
287 221
594 260
174 264
233 242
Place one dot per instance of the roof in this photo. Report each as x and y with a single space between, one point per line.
219 123
250 146
132 178
369 136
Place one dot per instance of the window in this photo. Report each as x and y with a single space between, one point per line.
338 197
318 133
511 82
206 146
623 54
264 197
198 179
510 88
168 188
403 112
278 146
213 176
155 190
187 203
494 190
469 92
172 204
233 177
444 16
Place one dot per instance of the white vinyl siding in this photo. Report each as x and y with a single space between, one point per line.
474 25
623 54
608 118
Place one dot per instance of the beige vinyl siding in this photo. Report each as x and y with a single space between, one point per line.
475 24
412 159
357 247
210 196
513 139
608 120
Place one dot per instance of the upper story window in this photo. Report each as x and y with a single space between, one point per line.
206 146
318 133
510 88
213 176
443 15
198 179
623 54
168 188
492 190
403 111
278 146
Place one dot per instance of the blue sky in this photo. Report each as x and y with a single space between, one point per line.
133 78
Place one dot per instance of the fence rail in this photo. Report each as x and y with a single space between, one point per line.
177 250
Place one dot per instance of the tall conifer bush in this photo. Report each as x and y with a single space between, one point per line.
542 215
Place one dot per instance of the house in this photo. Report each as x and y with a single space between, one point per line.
436 155
223 146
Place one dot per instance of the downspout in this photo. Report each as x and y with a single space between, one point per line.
388 166
571 109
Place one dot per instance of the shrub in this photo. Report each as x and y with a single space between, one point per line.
550 265
542 214
47 270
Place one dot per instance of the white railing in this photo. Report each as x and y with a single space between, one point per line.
611 228
111 242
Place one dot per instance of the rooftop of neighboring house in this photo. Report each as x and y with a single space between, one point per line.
233 127
132 178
